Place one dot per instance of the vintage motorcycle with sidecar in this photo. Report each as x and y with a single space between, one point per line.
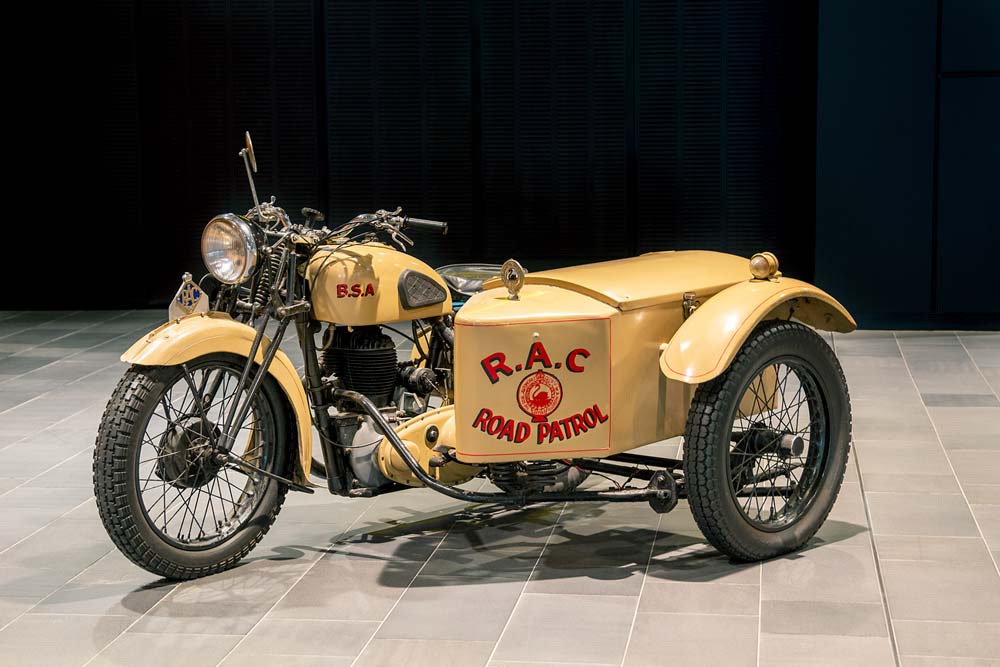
539 380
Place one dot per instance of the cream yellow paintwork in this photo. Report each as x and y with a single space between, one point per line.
414 435
374 264
187 338
703 347
621 375
629 315
647 280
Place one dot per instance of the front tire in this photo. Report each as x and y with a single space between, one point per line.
766 443
165 503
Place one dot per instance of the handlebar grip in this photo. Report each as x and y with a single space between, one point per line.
428 225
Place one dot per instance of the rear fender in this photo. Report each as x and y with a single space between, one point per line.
187 338
705 345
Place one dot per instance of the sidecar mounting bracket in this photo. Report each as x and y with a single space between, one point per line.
655 491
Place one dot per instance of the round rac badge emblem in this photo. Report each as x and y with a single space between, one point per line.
539 394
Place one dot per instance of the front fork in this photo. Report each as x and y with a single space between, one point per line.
338 479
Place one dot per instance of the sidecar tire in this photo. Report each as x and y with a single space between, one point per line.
707 453
117 498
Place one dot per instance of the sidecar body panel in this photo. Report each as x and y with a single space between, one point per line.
653 279
558 373
706 343
182 340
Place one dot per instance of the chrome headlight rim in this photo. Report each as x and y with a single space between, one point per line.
246 261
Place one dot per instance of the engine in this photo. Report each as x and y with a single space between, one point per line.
364 360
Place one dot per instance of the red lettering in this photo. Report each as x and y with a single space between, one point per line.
369 290
355 290
494 425
588 418
508 431
578 426
556 432
523 430
543 432
537 353
601 417
571 360
495 364
341 291
481 419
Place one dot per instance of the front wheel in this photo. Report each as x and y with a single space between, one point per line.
766 443
170 502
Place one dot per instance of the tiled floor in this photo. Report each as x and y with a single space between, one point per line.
904 571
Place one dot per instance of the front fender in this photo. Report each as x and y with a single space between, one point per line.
187 338
705 345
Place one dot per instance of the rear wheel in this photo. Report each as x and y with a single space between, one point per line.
167 498
766 443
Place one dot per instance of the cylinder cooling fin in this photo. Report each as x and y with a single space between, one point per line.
364 359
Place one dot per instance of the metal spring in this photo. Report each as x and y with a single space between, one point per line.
527 475
266 277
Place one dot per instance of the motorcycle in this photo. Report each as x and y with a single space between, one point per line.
538 381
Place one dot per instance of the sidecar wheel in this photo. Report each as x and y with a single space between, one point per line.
166 501
766 443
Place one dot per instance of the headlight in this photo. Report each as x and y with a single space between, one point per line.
228 249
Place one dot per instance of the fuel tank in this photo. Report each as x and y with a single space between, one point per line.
369 284
571 367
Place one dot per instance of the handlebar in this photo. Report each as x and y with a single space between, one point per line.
427 225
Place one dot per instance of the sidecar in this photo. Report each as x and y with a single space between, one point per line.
570 369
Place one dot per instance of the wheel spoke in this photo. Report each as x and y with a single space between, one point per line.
191 499
772 486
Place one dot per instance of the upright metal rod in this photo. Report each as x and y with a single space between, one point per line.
333 457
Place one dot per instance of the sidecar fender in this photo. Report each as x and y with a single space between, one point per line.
190 337
706 343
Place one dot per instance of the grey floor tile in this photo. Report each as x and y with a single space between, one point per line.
485 563
307 638
958 550
270 660
912 483
948 639
961 400
921 458
35 582
968 428
916 514
682 560
12 607
988 518
550 628
940 591
586 581
519 663
982 494
58 639
347 590
800 650
106 599
151 650
992 377
976 466
830 573
700 598
452 608
425 653
846 619
692 639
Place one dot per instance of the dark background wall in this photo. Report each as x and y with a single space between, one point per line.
908 160
555 132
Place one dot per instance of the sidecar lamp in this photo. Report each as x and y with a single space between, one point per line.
229 249
764 266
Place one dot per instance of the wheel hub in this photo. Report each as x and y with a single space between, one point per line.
186 457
